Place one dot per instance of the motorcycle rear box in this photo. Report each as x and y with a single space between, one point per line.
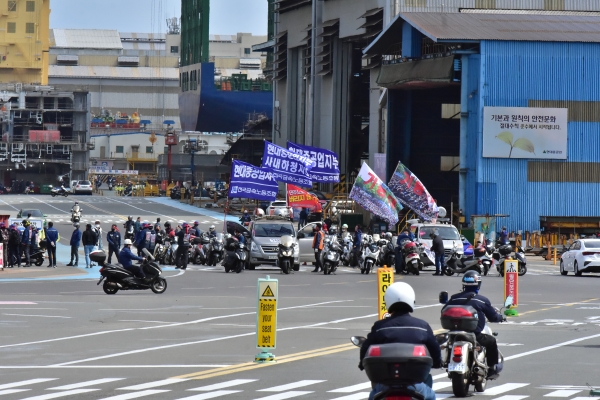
479 252
505 250
459 318
397 363
98 256
197 240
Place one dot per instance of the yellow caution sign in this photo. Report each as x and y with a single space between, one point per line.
266 324
385 277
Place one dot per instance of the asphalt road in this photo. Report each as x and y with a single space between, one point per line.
65 338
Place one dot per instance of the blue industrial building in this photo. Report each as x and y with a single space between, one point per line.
467 61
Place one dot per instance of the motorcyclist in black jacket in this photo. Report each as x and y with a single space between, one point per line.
470 296
401 327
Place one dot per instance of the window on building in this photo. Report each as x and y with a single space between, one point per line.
119 149
449 163
30 6
174 49
166 150
12 6
30 27
11 27
415 3
247 50
149 149
450 111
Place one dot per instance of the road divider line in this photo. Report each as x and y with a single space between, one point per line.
558 306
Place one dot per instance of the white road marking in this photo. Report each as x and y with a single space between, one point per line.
562 393
212 395
441 385
11 391
85 384
111 366
61 394
41 316
26 383
282 396
510 397
507 387
353 388
356 396
527 353
141 320
154 384
289 386
135 395
222 385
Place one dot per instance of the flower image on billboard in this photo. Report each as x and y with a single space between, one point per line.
525 132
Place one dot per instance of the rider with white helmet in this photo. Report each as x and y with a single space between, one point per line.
212 231
401 327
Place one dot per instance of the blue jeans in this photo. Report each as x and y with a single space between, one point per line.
87 250
440 262
421 388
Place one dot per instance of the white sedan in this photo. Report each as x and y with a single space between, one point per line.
582 256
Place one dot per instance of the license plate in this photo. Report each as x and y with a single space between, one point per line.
272 257
457 367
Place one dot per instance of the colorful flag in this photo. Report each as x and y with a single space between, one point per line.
287 166
301 198
373 195
410 191
250 182
327 166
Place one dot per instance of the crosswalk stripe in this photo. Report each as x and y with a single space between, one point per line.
284 395
11 391
353 388
211 395
223 385
293 385
26 383
510 397
355 396
135 395
149 385
61 394
86 384
503 389
441 385
562 393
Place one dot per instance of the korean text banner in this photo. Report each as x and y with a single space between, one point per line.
301 198
287 166
327 168
410 191
373 195
524 132
250 182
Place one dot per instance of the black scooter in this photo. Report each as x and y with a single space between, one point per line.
119 278
456 265
36 257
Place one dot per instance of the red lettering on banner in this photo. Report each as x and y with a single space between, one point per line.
372 181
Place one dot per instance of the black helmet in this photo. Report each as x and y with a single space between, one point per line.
471 279
130 218
167 224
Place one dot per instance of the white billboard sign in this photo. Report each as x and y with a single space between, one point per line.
99 170
524 132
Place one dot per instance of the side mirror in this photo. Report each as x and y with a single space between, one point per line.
444 297
300 235
358 340
44 215
508 302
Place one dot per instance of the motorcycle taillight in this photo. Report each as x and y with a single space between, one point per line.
101 269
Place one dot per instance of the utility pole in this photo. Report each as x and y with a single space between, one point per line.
191 147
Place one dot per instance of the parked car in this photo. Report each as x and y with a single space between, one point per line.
278 205
35 214
449 235
81 187
582 256
305 239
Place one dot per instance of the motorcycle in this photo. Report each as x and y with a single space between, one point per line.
503 253
127 192
412 257
346 255
387 256
370 255
198 255
331 257
61 191
171 255
398 366
76 214
36 257
160 251
110 185
285 255
457 265
129 232
236 257
465 359
118 278
215 250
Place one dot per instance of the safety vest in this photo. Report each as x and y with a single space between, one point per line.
320 237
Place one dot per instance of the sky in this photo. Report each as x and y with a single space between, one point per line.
227 17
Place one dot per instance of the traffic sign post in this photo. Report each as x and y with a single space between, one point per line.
385 277
511 285
266 319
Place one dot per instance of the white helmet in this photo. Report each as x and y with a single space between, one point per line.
259 212
127 241
212 228
345 226
400 292
388 235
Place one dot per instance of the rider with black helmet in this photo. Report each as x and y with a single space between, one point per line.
471 283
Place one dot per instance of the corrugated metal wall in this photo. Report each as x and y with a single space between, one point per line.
519 74
456 5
